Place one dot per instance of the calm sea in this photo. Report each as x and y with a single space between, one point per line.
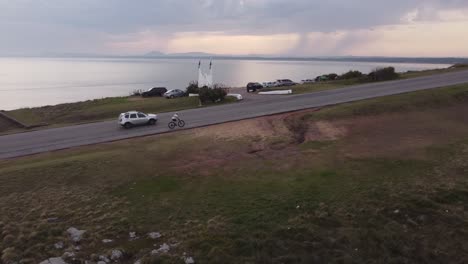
29 82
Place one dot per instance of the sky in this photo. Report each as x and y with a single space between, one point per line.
412 28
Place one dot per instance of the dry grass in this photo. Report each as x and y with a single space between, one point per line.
381 188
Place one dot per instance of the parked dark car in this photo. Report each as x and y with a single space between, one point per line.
253 87
174 93
285 82
156 91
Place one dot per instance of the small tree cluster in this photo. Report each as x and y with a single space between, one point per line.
213 95
192 88
326 77
383 74
351 75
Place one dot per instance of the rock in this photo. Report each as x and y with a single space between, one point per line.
116 254
68 255
52 219
107 241
75 234
189 260
164 248
154 235
104 259
58 245
396 211
101 262
53 261
132 235
137 262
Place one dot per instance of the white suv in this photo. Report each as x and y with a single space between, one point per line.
134 118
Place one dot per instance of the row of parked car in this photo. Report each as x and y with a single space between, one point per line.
162 91
254 86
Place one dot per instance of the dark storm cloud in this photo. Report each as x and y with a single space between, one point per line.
22 21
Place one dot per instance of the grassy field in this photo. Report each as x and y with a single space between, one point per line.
414 74
376 181
328 85
101 109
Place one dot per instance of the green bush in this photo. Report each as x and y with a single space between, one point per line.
383 74
458 65
332 76
351 75
326 77
215 94
192 88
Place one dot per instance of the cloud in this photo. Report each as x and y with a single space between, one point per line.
132 26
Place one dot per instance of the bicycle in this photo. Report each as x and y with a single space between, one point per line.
174 123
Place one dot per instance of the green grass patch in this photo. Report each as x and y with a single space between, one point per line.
433 98
316 145
102 109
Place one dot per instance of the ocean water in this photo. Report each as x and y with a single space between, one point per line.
30 82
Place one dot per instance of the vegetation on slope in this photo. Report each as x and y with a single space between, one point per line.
360 187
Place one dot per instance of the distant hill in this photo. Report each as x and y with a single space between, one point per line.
155 54
204 55
184 55
434 60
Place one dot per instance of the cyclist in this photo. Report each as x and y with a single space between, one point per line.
175 117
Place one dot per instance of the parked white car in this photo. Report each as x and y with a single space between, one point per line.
269 84
134 118
307 81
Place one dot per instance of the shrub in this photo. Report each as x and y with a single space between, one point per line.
212 94
332 76
458 65
351 75
193 88
383 74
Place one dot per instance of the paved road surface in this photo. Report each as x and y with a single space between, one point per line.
21 144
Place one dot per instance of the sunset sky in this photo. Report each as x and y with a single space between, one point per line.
430 28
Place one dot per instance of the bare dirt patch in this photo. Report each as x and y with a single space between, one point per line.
259 127
324 130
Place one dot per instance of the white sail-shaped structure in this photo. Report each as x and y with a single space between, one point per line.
205 79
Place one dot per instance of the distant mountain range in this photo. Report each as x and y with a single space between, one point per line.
204 55
186 54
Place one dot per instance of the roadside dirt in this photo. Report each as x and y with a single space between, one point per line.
385 135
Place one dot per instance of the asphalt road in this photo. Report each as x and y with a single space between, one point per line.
34 142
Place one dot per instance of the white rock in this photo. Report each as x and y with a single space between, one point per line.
164 248
58 245
137 262
53 261
104 259
116 254
101 262
68 255
189 260
106 241
75 234
154 235
132 235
